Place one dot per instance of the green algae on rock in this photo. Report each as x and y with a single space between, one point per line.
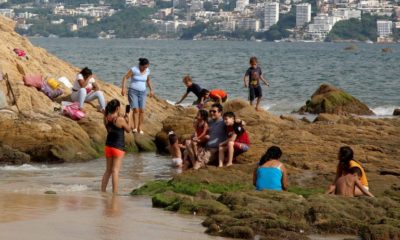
328 99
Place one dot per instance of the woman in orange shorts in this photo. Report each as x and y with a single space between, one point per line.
115 144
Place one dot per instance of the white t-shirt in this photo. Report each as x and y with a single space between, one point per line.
77 86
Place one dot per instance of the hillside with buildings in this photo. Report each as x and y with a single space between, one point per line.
284 20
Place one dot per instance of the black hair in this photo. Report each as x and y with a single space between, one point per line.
345 156
217 105
355 170
173 138
203 114
229 114
143 61
203 92
273 152
86 72
112 107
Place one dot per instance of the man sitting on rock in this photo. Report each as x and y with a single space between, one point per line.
217 134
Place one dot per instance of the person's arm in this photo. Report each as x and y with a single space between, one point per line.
285 184
128 75
84 82
245 80
255 176
123 123
95 86
264 80
361 187
150 86
183 98
204 133
241 122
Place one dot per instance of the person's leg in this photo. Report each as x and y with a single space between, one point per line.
135 116
358 192
189 153
221 155
134 103
258 103
195 150
107 174
142 104
100 96
258 95
117 162
81 97
251 95
230 152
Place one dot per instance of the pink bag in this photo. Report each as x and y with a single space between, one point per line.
73 111
33 81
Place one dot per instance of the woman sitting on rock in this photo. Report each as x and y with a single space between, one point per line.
270 173
85 89
346 161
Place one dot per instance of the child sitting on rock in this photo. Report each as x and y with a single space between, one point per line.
347 183
238 141
175 150
200 125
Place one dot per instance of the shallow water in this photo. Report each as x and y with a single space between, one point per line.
80 211
295 70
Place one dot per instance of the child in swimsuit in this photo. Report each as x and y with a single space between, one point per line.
175 150
115 143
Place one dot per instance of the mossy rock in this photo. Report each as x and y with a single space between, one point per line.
163 200
381 232
50 192
152 188
328 99
243 232
145 143
203 207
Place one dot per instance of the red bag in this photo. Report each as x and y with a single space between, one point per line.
33 81
73 111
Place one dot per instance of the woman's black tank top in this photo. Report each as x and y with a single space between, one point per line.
115 136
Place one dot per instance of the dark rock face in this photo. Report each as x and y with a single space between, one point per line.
396 112
328 99
10 155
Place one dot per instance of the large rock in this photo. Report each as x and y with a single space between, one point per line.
396 112
10 155
328 99
31 125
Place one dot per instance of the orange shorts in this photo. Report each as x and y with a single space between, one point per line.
113 152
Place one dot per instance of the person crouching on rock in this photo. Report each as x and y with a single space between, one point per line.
216 95
85 89
238 141
270 173
175 150
190 87
346 161
115 143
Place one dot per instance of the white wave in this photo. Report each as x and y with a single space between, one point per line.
181 104
28 167
67 188
384 110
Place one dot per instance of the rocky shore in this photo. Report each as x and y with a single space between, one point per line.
30 127
35 132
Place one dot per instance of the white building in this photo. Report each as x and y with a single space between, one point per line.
130 2
57 22
249 24
241 5
26 15
271 14
322 25
3 1
384 28
81 22
346 13
228 25
197 5
7 12
73 27
303 14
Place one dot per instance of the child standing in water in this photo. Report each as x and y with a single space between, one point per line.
115 143
175 150
254 75
201 130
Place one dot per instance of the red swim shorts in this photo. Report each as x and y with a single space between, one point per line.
113 152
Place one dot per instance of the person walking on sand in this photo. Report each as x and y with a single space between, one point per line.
252 79
140 78
115 143
346 161
270 173
85 89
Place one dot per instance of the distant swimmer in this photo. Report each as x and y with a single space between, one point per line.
252 79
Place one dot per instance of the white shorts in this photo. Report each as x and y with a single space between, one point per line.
177 162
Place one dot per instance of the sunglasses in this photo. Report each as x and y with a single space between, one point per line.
212 111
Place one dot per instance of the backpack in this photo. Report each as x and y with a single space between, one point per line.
72 111
33 81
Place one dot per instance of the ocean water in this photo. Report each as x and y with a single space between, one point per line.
295 70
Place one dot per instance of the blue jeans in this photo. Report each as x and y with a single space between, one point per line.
137 99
